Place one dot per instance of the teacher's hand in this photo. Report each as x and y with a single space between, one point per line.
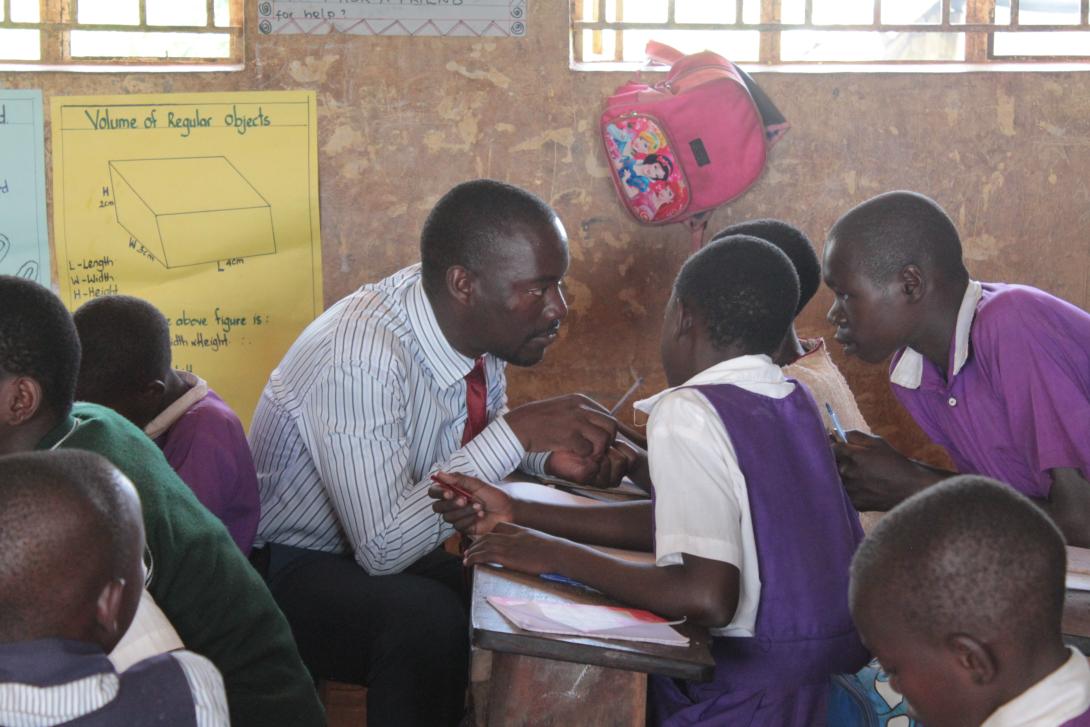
573 423
607 471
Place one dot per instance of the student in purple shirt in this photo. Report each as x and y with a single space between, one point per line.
959 592
997 374
126 366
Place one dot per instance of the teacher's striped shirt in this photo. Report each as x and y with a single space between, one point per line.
366 405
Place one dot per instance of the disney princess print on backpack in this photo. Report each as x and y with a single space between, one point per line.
645 165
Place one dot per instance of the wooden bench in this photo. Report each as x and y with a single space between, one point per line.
345 704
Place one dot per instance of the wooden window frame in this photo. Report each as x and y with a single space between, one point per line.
979 31
58 18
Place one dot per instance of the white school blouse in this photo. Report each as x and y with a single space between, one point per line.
701 500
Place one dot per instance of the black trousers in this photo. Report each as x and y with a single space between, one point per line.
405 636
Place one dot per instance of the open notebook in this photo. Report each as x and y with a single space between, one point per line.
576 619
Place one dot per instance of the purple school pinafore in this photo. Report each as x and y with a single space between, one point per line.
1083 720
806 531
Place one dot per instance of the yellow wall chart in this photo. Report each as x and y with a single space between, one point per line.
207 206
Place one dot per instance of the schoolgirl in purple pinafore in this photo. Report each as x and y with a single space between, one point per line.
806 531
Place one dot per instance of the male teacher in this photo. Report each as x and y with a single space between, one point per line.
399 380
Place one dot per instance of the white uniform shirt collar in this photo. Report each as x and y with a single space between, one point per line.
753 368
1061 696
198 389
909 370
447 364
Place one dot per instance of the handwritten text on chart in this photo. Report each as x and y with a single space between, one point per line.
212 328
185 121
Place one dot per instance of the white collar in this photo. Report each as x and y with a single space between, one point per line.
198 389
753 368
909 370
1062 695
447 364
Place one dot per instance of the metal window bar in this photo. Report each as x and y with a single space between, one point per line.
59 17
977 28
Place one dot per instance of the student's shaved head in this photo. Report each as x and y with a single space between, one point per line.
70 523
793 242
968 555
38 340
896 229
125 344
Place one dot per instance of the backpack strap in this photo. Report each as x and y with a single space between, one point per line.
698 227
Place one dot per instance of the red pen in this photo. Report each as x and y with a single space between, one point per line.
453 488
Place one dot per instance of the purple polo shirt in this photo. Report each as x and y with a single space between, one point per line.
207 447
1016 400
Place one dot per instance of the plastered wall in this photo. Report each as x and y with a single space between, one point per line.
403 119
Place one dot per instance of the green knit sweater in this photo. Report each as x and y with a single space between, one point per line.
216 601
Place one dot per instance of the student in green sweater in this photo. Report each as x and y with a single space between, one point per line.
213 597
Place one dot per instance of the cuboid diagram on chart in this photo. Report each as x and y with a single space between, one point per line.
205 205
223 218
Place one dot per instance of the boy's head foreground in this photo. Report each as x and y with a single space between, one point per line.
71 547
736 296
492 258
39 361
959 593
894 264
125 361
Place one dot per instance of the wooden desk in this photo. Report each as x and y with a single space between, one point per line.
1076 620
1076 617
542 679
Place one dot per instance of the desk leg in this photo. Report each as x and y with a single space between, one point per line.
526 690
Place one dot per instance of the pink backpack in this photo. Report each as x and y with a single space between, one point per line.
691 142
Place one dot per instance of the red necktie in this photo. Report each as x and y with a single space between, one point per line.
476 402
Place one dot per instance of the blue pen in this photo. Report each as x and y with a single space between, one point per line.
558 578
836 423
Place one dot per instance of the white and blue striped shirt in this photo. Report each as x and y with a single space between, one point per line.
366 405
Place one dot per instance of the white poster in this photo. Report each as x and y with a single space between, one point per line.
394 17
